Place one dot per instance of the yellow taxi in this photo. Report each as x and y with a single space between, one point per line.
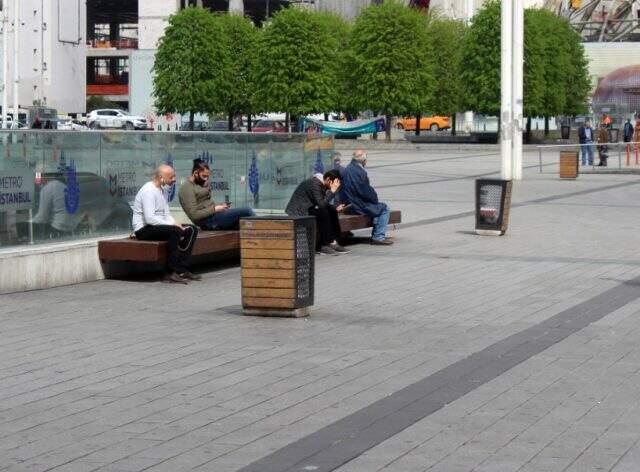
433 123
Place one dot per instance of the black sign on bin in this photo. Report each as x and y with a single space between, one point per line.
493 203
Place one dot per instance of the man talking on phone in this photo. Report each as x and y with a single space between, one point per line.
195 199
313 197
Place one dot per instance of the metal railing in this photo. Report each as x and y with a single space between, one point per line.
630 150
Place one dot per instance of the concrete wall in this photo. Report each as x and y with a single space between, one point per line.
52 53
152 20
49 266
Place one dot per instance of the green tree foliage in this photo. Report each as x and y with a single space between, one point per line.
556 79
294 70
337 32
446 37
390 69
577 81
192 67
481 61
243 38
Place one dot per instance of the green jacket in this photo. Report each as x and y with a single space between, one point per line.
196 201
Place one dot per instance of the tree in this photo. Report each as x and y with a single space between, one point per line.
390 70
293 71
192 65
535 63
243 38
481 61
446 55
337 33
577 80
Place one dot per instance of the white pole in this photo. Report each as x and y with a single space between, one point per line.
16 74
517 81
5 64
506 107
468 116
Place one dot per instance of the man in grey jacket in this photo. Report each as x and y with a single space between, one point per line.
313 197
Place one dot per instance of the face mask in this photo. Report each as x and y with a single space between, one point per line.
165 186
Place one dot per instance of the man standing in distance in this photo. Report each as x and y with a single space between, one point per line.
152 221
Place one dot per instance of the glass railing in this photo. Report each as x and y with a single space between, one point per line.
67 185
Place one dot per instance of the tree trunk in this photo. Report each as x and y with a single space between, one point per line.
326 117
287 121
249 122
527 135
191 120
453 124
375 134
418 119
230 122
387 119
546 126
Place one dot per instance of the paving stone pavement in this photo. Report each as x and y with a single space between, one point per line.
126 376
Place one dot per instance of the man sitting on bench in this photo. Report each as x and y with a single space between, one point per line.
195 198
152 221
313 197
362 199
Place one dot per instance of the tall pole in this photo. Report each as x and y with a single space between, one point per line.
506 107
5 64
468 116
16 74
517 86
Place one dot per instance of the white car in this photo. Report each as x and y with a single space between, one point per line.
112 118
67 124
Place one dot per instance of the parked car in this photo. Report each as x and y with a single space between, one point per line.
112 118
68 124
269 126
433 123
198 125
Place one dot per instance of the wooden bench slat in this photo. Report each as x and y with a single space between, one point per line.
208 242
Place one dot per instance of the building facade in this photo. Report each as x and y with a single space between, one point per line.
51 53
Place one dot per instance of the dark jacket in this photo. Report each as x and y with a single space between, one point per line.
357 191
310 193
196 201
627 133
582 135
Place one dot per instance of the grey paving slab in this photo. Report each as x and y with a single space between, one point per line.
127 376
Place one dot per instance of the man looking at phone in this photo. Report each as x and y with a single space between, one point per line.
313 197
195 199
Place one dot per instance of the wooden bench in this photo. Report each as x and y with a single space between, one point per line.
207 243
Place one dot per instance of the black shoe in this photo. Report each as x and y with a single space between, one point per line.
381 242
340 249
174 278
328 251
191 276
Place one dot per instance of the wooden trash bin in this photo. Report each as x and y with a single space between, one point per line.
569 165
277 255
493 206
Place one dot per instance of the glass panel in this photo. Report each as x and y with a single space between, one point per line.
69 185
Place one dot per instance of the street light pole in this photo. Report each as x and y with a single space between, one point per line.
518 80
506 105
5 63
16 73
512 78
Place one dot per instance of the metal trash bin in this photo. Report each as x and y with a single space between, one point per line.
565 131
277 260
614 133
569 165
493 205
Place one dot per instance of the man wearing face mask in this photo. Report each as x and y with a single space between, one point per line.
362 199
195 198
152 221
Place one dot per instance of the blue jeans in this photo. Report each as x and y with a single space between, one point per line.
587 153
380 223
226 220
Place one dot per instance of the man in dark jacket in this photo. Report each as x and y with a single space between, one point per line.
362 199
585 135
627 136
313 197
